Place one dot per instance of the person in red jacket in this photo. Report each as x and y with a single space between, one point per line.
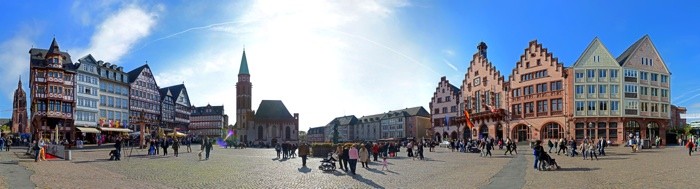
375 151
690 146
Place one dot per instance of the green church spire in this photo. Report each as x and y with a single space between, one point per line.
244 65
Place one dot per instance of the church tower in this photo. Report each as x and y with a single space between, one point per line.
19 110
244 87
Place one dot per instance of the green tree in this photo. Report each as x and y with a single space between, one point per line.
302 136
5 128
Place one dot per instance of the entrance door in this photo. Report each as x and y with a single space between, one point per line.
499 131
483 131
522 133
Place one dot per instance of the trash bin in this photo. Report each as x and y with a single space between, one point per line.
68 155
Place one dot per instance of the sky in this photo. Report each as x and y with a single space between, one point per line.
326 59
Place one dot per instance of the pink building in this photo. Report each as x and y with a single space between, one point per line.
445 107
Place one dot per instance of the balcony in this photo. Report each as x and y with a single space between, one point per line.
68 82
39 95
644 81
529 115
644 97
664 99
664 84
655 114
630 95
630 79
644 113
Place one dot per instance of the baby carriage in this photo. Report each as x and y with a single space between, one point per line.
547 163
328 164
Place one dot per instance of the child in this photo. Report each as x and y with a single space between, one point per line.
384 164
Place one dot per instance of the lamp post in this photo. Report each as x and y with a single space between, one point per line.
55 139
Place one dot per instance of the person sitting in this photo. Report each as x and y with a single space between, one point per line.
114 155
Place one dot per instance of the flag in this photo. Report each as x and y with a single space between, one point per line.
468 120
447 119
110 123
116 124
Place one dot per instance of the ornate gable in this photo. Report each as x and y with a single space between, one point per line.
484 82
643 55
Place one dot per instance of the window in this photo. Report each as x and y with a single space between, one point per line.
110 101
579 89
644 90
557 104
591 89
645 107
664 79
529 107
591 105
516 92
603 105
614 105
453 109
579 105
602 73
590 74
440 100
447 98
517 109
602 89
528 90
630 73
103 113
579 75
103 100
654 92
632 105
643 75
542 106
596 58
654 77
630 88
614 89
542 87
444 110
664 92
555 86
437 110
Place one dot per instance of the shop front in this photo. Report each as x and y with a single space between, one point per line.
87 135
110 134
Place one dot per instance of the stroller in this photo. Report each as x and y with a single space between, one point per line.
328 164
547 163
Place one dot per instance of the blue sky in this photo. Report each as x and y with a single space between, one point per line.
332 58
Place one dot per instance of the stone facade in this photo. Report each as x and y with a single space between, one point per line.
445 107
536 97
484 95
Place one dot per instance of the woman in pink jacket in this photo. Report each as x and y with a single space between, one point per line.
354 155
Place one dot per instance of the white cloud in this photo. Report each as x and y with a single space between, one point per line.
322 58
15 59
449 52
119 32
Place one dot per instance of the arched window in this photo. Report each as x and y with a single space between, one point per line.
552 131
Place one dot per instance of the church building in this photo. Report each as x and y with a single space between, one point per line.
270 124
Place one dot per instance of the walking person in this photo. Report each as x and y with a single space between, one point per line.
562 146
346 157
8 143
601 144
537 150
489 146
303 152
584 148
353 156
509 147
36 149
165 146
278 148
207 148
364 157
592 151
690 145
2 143
384 164
420 151
550 145
409 149
176 146
188 142
339 151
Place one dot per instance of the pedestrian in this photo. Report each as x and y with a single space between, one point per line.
550 145
690 145
353 156
36 149
562 146
509 147
384 164
8 143
303 152
375 151
278 148
420 151
538 149
176 145
364 156
2 143
346 157
409 149
592 151
42 151
339 151
165 146
188 142
284 150
207 148
601 144
489 146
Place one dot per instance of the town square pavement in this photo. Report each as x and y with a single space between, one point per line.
669 167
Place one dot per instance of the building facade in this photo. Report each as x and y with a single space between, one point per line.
344 126
207 121
677 121
144 98
52 84
182 107
270 124
316 135
537 95
167 108
114 100
369 128
87 97
19 110
445 106
646 102
484 94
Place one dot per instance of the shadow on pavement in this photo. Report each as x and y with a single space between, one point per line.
376 171
304 170
393 172
96 160
578 169
430 159
612 158
371 183
507 157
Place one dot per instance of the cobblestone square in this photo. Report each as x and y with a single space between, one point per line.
669 167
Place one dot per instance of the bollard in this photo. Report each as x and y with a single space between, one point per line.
68 155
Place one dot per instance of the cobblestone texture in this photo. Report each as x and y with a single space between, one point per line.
258 168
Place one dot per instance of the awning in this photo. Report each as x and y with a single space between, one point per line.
87 130
115 129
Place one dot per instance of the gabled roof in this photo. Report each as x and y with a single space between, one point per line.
53 49
316 130
244 66
202 111
624 58
88 58
417 111
592 48
133 74
164 93
37 57
176 90
272 110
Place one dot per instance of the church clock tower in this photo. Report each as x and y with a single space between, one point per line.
244 115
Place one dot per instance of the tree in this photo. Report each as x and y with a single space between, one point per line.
5 129
302 136
335 134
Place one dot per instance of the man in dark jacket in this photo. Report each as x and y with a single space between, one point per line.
207 148
536 152
303 152
346 158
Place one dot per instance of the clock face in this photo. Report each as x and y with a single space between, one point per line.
477 81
